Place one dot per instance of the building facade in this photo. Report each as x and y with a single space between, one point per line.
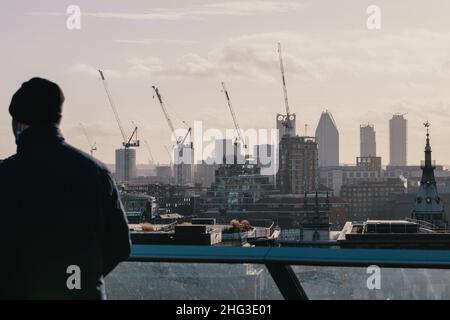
369 199
368 143
125 164
327 137
366 169
298 165
398 140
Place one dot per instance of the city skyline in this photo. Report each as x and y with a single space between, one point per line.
332 62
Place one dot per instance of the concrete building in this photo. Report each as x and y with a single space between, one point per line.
366 169
286 126
236 188
138 207
392 234
368 144
298 165
327 137
398 140
183 167
369 199
125 164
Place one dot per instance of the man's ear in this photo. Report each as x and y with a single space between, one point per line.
18 127
23 126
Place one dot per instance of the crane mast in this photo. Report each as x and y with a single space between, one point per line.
283 79
179 140
92 146
233 115
127 143
166 114
152 160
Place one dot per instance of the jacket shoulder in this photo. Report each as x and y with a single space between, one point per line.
8 163
82 158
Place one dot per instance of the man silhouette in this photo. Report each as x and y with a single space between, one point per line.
59 208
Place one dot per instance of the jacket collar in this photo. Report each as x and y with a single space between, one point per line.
39 136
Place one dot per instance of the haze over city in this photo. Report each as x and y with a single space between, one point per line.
332 61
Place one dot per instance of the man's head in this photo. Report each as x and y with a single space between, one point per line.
38 102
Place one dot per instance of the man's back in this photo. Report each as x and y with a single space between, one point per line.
59 211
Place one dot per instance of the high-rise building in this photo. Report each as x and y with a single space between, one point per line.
183 168
397 140
327 137
368 144
286 126
298 165
125 164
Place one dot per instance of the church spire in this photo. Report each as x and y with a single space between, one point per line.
428 205
428 166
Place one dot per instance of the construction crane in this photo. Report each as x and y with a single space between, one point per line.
132 141
92 146
180 141
287 123
233 115
151 159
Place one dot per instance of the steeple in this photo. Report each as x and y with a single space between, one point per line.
428 205
428 166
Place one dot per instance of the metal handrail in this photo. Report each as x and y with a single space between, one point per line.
279 260
393 258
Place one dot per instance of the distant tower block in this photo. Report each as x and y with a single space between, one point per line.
125 164
327 137
368 144
398 140
298 165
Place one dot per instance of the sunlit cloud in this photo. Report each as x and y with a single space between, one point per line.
226 8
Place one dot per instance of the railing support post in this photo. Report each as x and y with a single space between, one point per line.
286 281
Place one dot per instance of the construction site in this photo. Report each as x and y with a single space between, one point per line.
233 186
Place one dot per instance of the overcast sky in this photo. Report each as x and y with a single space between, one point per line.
187 47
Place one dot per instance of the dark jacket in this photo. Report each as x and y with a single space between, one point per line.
59 207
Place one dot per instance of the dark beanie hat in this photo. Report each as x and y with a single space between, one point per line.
37 102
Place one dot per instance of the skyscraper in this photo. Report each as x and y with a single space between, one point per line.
327 137
368 144
125 164
397 140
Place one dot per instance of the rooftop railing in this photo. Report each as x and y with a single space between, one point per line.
282 263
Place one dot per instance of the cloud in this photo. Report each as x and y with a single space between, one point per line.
405 60
152 41
226 8
144 67
81 68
